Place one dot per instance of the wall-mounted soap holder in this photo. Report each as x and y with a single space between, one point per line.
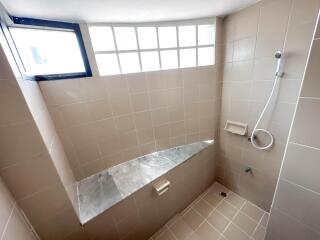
162 186
236 127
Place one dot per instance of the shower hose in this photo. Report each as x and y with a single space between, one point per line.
257 130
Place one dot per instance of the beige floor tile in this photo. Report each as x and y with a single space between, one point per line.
234 233
212 198
260 233
252 211
193 219
218 221
264 220
166 235
203 208
210 216
181 230
235 200
194 236
173 220
227 209
159 232
245 223
206 232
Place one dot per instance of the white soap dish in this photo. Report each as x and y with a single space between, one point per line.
236 127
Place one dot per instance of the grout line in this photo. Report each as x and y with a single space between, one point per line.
256 228
299 186
8 220
233 219
305 146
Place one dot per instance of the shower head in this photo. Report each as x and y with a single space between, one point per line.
278 54
279 71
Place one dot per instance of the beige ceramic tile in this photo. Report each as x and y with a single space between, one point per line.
193 219
252 211
218 221
246 224
203 208
227 210
259 233
206 232
234 233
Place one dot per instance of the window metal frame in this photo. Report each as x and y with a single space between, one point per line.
54 26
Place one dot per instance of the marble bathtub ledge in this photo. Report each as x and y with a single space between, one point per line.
101 191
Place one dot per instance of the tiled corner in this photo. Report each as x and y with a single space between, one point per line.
213 217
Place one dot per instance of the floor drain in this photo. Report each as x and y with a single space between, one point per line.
223 194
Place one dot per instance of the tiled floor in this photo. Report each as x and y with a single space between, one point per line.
212 217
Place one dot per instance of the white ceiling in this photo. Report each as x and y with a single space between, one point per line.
123 10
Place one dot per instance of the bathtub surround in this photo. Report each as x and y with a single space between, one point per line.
103 190
251 38
295 210
142 213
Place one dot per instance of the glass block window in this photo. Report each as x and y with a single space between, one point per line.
152 47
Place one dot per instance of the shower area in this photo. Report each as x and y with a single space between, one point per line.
199 153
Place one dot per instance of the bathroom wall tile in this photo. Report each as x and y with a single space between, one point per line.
246 22
102 226
58 225
25 137
140 102
62 92
17 228
303 173
303 204
121 105
158 99
47 202
75 114
124 123
160 116
6 205
116 86
20 188
92 91
9 94
303 130
244 49
100 109
143 119
290 228
136 82
155 81
145 135
304 12
311 86
87 152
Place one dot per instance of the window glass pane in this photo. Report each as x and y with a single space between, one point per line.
206 34
126 38
107 64
169 59
129 62
167 37
205 56
102 38
147 37
48 51
188 57
187 36
150 61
